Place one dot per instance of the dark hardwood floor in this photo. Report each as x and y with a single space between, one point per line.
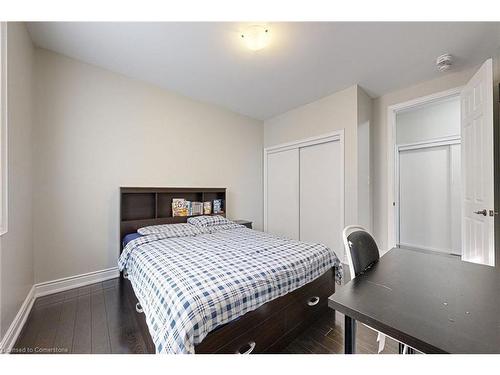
326 336
97 319
90 319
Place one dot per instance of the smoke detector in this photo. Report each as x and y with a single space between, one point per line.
444 62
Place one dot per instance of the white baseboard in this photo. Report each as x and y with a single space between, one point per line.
17 324
44 289
66 283
432 249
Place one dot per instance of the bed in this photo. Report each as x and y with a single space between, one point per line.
213 286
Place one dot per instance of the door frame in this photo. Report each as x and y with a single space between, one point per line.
337 135
392 111
435 142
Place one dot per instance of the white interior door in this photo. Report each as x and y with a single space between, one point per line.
429 197
321 194
282 193
477 167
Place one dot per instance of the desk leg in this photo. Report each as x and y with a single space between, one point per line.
401 348
349 335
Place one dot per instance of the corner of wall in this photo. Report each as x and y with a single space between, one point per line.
17 272
364 119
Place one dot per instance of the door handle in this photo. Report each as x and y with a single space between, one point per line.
313 301
482 212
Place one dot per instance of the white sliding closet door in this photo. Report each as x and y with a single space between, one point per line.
282 189
429 198
321 194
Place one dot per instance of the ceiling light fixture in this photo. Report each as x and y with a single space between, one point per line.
256 37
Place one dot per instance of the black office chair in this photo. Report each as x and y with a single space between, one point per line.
361 248
362 253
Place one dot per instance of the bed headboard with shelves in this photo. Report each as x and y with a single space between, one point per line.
143 206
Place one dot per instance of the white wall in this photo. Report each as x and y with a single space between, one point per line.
16 245
379 169
96 131
435 120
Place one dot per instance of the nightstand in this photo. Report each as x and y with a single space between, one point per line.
246 223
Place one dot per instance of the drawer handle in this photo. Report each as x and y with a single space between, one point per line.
138 308
313 301
250 345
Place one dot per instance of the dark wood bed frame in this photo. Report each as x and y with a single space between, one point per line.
268 329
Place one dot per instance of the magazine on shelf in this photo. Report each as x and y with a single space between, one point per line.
180 207
217 206
196 208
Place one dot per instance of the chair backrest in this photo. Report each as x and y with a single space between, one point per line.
361 249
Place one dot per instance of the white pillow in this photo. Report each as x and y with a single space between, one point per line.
208 221
171 230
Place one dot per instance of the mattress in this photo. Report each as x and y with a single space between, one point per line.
188 286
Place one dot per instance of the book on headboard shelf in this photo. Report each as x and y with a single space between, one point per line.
183 207
180 207
218 206
196 208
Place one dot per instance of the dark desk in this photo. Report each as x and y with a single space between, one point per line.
433 303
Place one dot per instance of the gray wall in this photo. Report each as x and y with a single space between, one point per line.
16 246
364 107
96 130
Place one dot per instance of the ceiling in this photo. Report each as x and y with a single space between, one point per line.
304 62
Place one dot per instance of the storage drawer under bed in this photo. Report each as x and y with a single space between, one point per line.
308 302
295 310
259 338
263 329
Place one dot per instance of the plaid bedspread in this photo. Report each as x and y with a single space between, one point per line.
188 286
